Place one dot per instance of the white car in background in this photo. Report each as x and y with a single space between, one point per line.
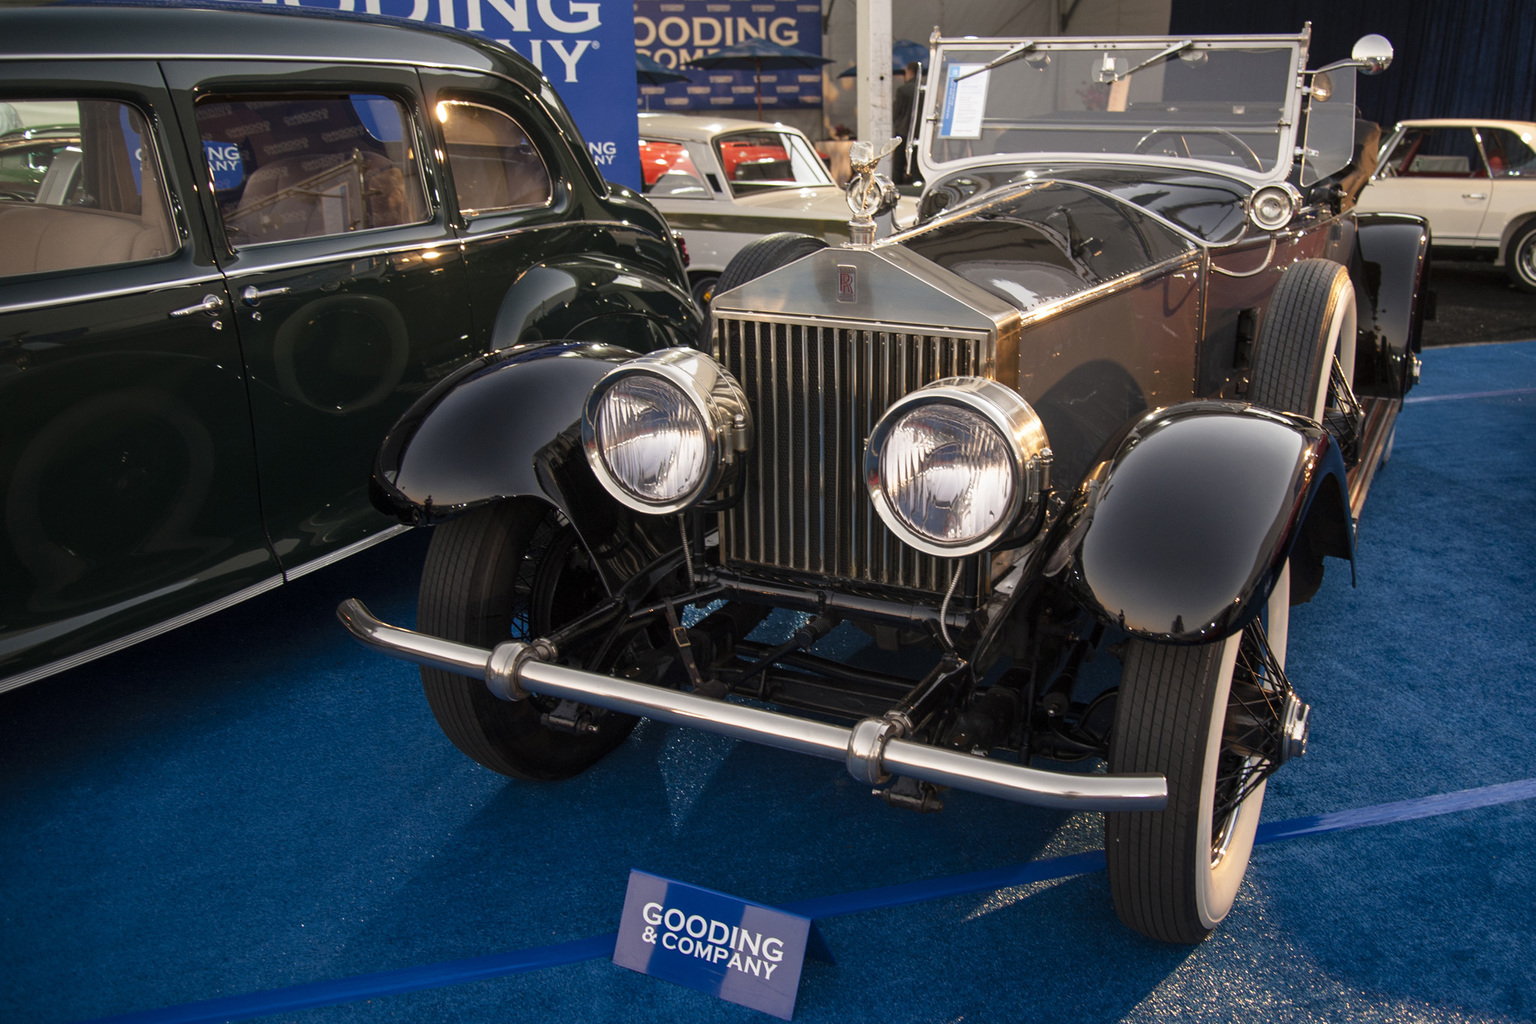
724 182
1474 180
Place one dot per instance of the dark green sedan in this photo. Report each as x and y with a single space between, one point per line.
270 234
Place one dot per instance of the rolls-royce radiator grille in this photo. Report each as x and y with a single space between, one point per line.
815 392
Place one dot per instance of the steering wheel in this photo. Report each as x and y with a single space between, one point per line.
1235 145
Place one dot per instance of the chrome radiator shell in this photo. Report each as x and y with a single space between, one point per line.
822 348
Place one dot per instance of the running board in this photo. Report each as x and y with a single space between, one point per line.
1380 416
873 750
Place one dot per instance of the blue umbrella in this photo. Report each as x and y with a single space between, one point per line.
651 72
754 55
903 53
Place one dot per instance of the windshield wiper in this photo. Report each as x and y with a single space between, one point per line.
1001 59
1176 48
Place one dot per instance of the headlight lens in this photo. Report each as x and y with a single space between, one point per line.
1273 206
947 473
651 439
662 432
954 466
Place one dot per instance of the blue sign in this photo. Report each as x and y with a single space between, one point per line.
585 48
226 163
673 32
743 952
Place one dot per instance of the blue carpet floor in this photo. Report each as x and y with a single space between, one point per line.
256 802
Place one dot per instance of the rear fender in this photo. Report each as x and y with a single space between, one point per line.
1391 278
509 427
586 298
1179 534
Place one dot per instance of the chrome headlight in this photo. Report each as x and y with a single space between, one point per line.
954 466
1273 206
662 431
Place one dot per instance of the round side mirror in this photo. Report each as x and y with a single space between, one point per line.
1374 53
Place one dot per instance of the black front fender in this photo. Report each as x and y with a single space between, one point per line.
476 438
1179 534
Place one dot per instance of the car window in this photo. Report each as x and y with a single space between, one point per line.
80 186
668 171
1509 153
495 165
1436 153
754 161
305 166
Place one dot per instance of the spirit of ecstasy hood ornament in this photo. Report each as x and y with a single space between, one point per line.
869 194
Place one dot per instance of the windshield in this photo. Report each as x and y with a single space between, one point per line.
1229 103
756 161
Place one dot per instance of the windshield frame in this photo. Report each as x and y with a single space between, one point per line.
952 50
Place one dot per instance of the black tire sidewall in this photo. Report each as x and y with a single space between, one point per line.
1289 351
1514 267
467 594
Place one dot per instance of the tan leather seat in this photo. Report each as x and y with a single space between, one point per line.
284 200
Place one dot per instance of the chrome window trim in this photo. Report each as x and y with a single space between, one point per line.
237 273
77 298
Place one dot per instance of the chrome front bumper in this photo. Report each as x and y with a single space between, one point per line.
873 750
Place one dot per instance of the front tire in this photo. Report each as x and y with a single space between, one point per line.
511 571
1174 874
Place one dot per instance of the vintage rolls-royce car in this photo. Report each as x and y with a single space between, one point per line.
1072 445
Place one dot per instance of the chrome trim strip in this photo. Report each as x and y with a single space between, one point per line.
239 272
1185 260
265 58
77 298
73 661
346 552
1004 779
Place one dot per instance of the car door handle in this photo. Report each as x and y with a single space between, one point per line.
211 305
1474 195
252 295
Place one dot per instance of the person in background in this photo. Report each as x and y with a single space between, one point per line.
901 121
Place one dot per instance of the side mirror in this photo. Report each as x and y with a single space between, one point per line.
1374 54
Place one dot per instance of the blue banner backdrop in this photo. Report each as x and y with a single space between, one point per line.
675 31
584 47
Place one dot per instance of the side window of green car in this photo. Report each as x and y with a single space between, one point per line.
80 186
495 165
307 166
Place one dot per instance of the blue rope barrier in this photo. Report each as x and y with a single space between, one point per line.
413 979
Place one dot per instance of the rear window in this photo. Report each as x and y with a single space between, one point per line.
667 170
